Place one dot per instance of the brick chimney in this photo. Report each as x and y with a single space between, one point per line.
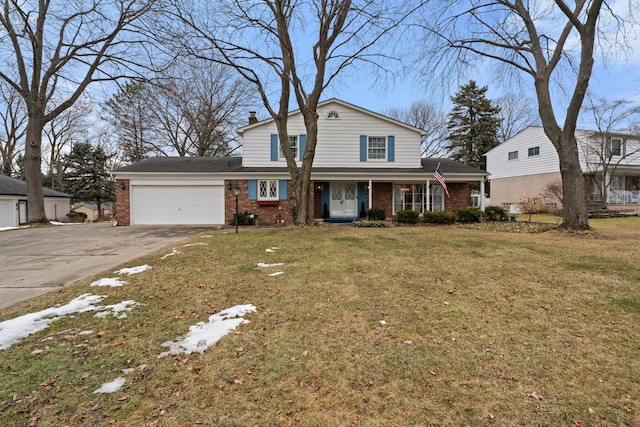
252 117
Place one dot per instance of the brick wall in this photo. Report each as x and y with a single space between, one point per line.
280 213
460 194
382 197
123 202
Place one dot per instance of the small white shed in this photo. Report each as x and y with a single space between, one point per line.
14 206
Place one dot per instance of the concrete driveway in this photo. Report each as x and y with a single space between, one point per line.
34 261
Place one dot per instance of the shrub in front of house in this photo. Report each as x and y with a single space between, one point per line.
407 217
495 213
244 218
447 217
469 215
371 224
77 216
376 214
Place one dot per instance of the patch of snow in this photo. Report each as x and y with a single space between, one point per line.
195 244
113 282
263 265
117 310
85 333
382 322
65 223
13 330
174 251
111 387
271 249
203 335
277 273
13 228
134 270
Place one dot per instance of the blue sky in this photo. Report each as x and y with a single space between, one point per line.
617 81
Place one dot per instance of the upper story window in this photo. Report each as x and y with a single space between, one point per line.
377 148
513 155
615 147
534 151
333 115
268 189
293 143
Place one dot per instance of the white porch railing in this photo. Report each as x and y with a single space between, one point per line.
623 197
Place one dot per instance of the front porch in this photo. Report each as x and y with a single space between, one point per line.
346 201
622 190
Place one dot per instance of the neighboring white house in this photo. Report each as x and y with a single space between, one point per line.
363 160
528 162
14 207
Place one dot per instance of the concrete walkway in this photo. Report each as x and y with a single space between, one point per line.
34 261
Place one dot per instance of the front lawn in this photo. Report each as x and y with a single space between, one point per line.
404 326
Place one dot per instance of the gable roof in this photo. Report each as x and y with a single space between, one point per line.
344 104
234 165
14 187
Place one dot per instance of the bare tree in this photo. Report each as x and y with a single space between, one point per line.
516 113
431 120
197 106
266 41
609 147
68 127
535 39
14 120
59 48
132 128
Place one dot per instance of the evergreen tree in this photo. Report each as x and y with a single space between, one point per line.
86 176
473 125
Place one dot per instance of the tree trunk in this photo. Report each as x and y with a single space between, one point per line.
32 168
574 212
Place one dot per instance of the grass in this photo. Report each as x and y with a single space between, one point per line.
482 328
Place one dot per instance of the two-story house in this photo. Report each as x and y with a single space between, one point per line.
363 160
527 163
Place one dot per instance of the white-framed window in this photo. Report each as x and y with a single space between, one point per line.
506 205
513 155
533 151
615 147
293 143
267 189
376 148
413 197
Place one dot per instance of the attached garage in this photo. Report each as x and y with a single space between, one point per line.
195 203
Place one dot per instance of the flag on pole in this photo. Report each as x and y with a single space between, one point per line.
438 175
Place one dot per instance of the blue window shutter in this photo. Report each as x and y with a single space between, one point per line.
253 189
274 147
282 189
363 148
391 145
303 145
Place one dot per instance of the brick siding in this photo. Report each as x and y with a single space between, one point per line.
123 202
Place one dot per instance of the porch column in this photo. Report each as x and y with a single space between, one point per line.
429 195
370 194
482 194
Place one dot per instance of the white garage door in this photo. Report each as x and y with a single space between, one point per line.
7 213
177 204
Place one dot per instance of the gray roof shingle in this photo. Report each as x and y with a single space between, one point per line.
234 165
15 187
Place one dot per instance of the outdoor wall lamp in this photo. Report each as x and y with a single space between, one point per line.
122 186
236 192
